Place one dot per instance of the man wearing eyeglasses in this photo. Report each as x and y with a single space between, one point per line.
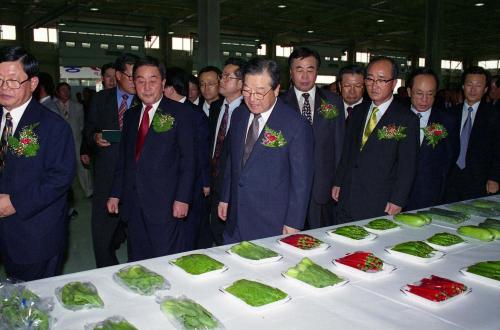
37 166
380 151
352 87
268 176
312 102
230 84
106 114
209 88
438 141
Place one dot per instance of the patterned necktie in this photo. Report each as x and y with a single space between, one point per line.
370 126
6 133
306 108
221 135
464 139
252 135
121 109
349 111
143 131
419 115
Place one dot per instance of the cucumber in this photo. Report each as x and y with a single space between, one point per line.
495 231
482 234
410 219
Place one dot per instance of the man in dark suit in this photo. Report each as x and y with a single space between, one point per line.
438 141
476 172
323 111
494 91
176 89
106 113
352 88
230 84
155 173
268 177
209 88
379 157
37 166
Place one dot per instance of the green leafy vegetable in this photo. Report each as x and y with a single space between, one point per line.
254 293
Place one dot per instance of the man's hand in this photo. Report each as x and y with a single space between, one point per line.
491 187
392 209
289 230
100 141
206 191
6 207
222 210
336 193
180 209
85 159
112 205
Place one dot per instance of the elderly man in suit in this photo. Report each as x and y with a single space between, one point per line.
324 112
379 157
37 166
106 114
269 169
438 141
476 172
155 173
73 113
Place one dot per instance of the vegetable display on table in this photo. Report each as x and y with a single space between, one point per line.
381 224
437 288
254 293
309 272
79 295
493 225
302 241
187 314
197 264
489 269
249 250
351 231
415 248
140 280
413 219
476 232
487 204
112 323
447 216
470 209
445 239
364 261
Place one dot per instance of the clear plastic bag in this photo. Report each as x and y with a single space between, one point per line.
111 323
79 295
185 314
141 280
21 309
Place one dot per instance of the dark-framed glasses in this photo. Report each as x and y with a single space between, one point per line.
259 96
378 82
129 76
227 76
12 84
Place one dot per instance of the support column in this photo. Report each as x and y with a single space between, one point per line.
165 43
433 16
208 33
351 53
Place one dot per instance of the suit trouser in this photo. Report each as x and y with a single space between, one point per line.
319 215
35 271
217 226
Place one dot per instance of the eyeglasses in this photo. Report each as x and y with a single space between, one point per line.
128 75
257 95
227 76
208 85
378 82
13 84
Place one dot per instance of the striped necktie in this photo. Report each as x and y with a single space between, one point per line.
372 122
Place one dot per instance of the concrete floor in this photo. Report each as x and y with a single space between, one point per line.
80 255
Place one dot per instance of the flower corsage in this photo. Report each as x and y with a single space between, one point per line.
391 132
328 110
27 145
162 122
272 138
434 133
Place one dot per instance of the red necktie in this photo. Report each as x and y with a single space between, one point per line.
143 131
121 109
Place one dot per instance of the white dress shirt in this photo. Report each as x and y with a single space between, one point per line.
16 114
424 120
352 106
301 99
206 108
197 101
151 112
465 111
381 110
232 105
264 117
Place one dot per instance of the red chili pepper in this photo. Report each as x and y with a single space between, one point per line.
431 294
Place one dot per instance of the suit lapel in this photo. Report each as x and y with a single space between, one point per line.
30 116
241 136
291 99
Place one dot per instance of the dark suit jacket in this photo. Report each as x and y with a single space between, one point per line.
273 187
364 103
165 170
482 161
328 141
434 164
38 188
383 171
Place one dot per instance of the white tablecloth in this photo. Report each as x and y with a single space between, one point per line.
361 304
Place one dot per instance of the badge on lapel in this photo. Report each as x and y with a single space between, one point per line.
162 122
27 144
391 132
328 110
272 138
434 133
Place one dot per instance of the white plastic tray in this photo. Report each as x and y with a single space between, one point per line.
408 257
386 231
347 240
256 308
256 262
446 248
430 303
479 278
320 248
386 270
311 288
200 276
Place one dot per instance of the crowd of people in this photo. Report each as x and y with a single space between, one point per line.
182 162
